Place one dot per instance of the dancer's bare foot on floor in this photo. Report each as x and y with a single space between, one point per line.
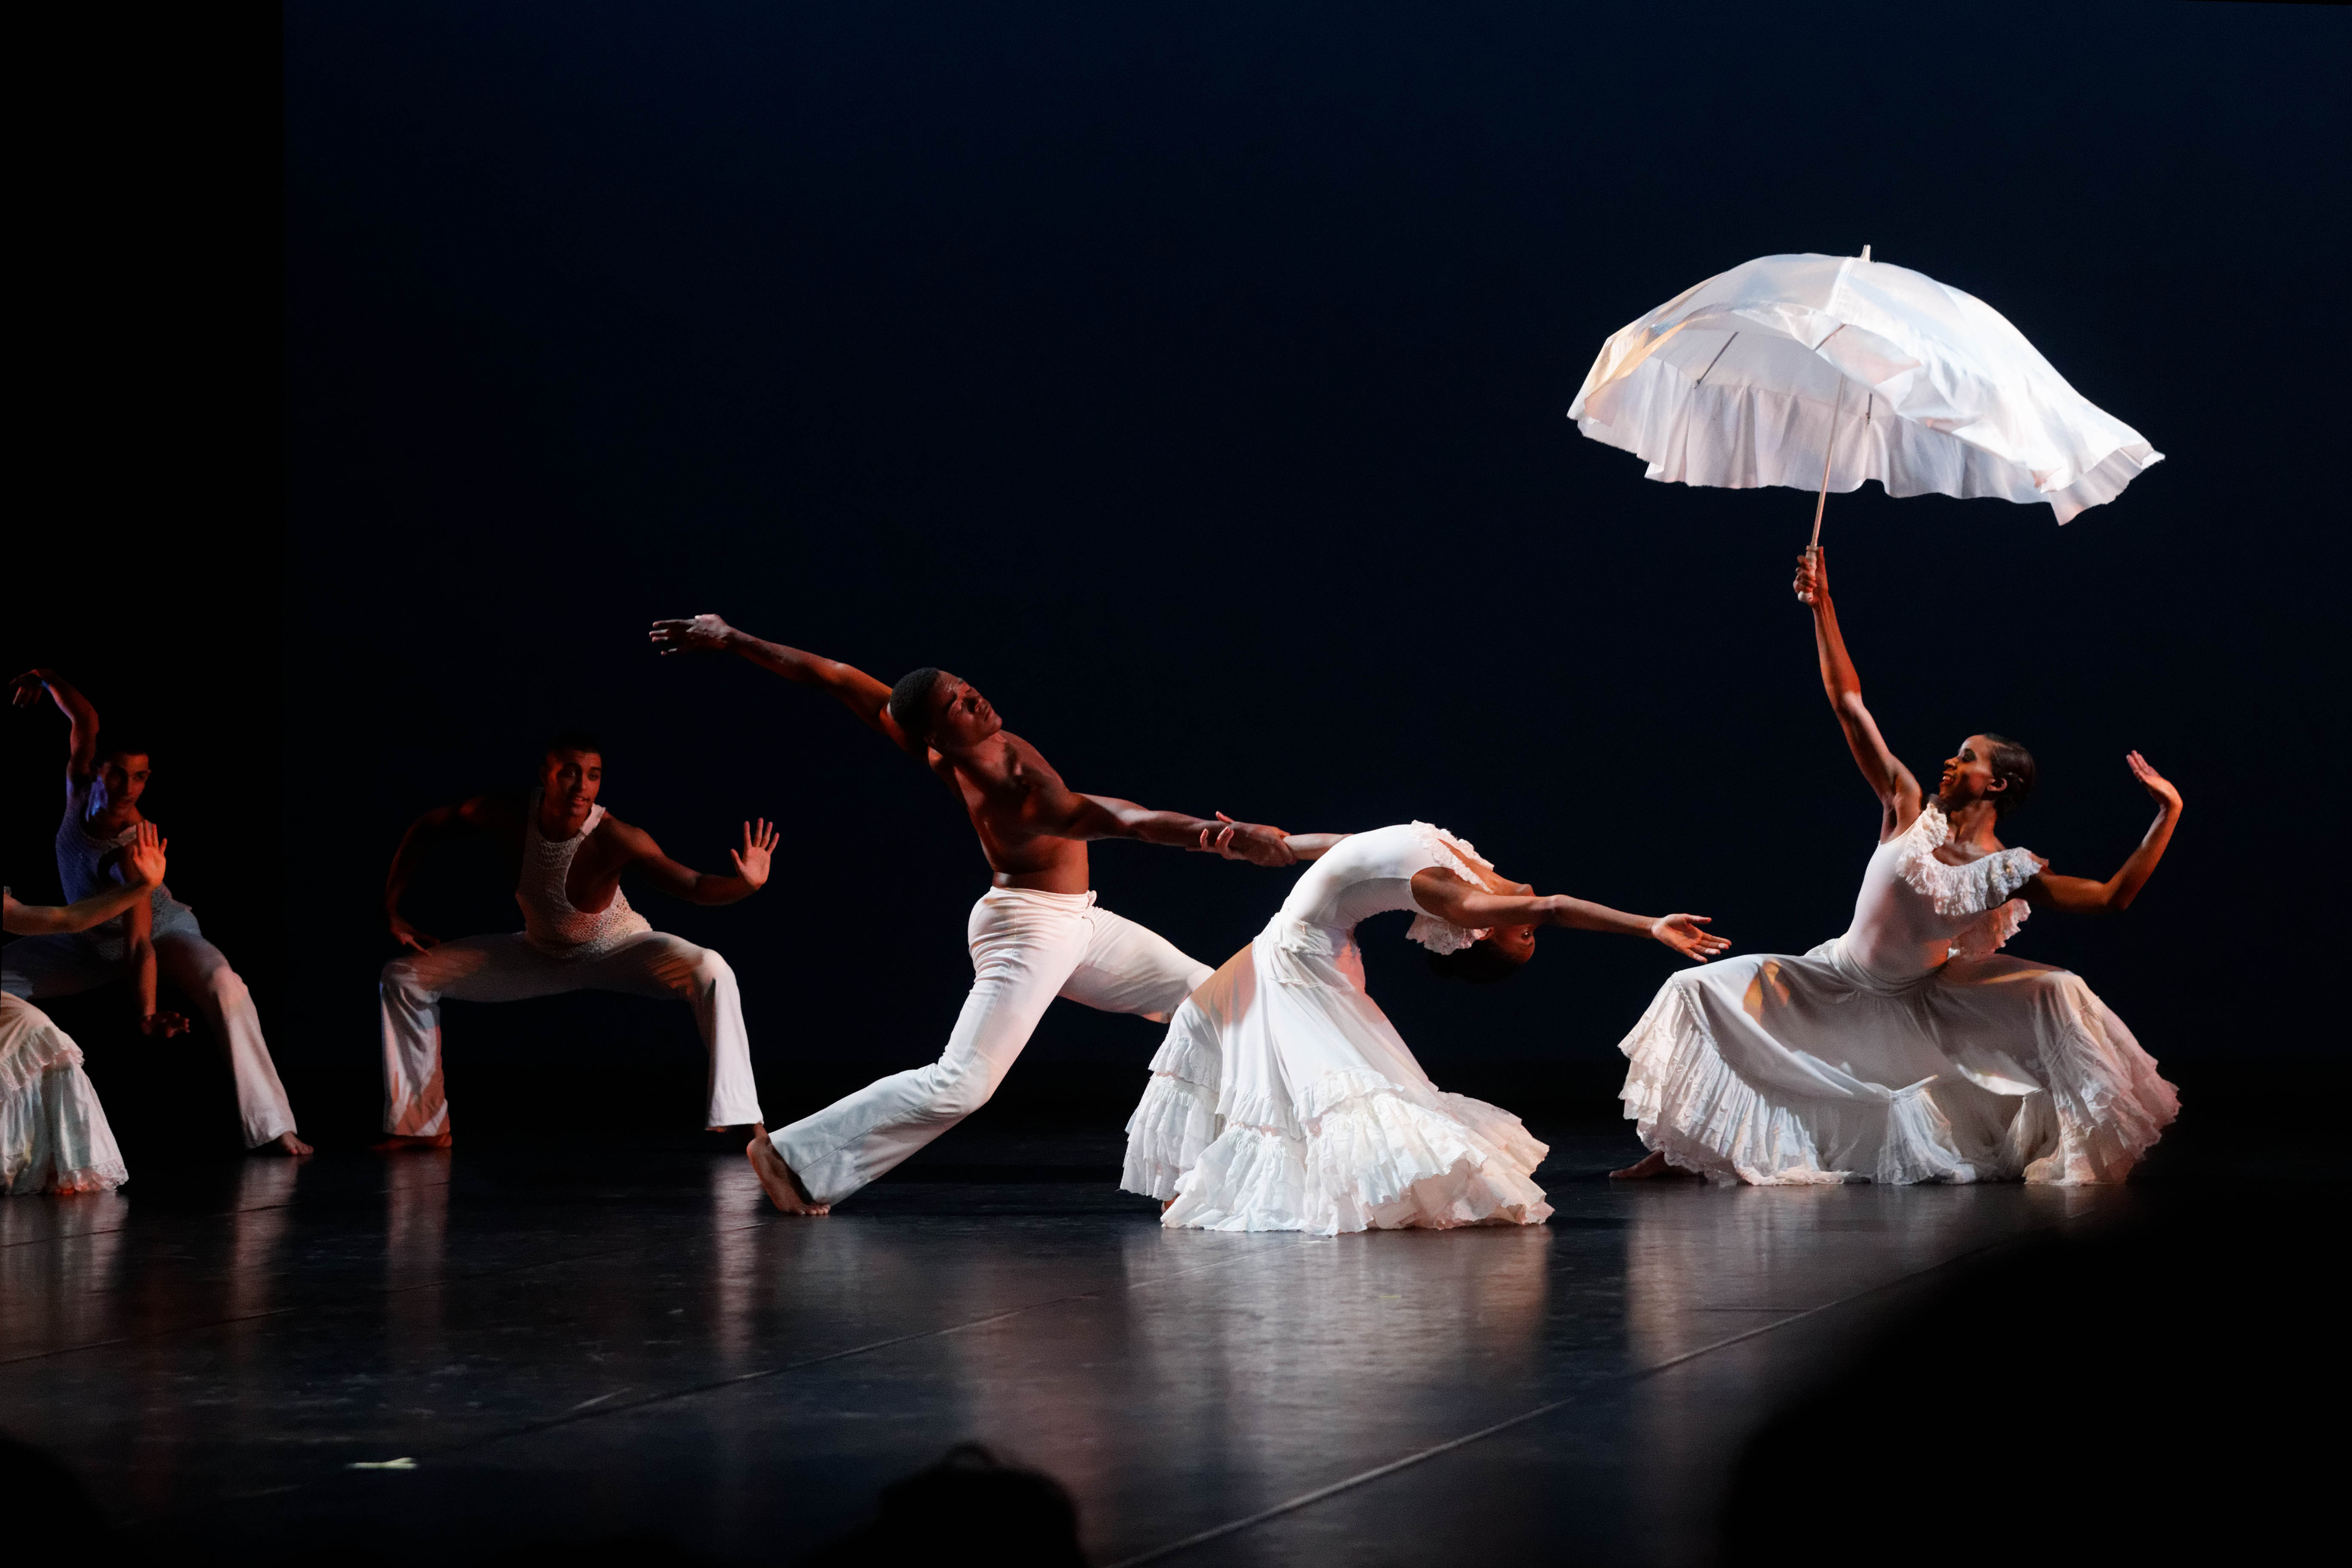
776 1178
1653 1163
399 1141
287 1144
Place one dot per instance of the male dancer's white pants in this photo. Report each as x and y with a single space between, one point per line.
509 969
1027 948
38 967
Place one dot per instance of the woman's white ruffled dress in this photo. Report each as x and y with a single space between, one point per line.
1283 1098
52 1132
1906 1050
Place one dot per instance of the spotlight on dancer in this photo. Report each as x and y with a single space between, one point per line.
1036 933
579 934
104 783
1283 1098
1909 1049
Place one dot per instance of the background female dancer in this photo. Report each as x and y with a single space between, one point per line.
1283 1098
52 1132
1904 1050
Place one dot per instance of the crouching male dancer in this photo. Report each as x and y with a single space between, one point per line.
103 787
579 934
1035 934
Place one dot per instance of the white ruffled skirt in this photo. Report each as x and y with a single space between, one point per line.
1775 1070
52 1132
1283 1100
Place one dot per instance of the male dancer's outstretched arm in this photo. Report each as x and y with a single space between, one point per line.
81 718
1036 935
615 848
1013 796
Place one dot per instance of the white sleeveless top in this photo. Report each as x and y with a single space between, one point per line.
1915 913
1366 874
550 923
81 856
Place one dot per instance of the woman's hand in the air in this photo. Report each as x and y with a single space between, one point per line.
2159 788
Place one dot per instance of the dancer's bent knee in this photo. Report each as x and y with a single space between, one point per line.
959 1091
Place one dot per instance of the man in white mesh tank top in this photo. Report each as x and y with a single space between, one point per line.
104 784
1035 934
579 934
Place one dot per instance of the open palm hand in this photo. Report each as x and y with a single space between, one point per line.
752 861
1687 935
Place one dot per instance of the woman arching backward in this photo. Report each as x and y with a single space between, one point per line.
1283 1098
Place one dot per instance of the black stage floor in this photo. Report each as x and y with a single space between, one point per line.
571 1344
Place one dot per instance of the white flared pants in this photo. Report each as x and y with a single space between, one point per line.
1027 948
42 966
507 968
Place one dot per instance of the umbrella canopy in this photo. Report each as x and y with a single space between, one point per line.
1745 380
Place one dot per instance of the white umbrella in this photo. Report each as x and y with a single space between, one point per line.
1825 371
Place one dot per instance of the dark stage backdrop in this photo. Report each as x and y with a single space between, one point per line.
1192 380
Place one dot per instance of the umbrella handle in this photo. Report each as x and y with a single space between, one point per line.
1828 451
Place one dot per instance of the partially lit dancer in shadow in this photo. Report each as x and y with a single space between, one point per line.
1283 1098
1906 1050
52 1132
1035 934
579 934
103 787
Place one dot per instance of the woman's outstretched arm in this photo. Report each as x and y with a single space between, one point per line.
1897 791
143 872
1445 895
2082 896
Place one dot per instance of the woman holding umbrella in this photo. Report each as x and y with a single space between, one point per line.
1908 1050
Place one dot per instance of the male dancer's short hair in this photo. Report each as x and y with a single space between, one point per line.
911 703
123 740
573 740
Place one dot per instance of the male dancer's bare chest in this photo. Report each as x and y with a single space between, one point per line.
998 790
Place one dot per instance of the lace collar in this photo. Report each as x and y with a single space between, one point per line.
1977 887
1457 856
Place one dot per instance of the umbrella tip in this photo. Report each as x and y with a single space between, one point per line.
1865 253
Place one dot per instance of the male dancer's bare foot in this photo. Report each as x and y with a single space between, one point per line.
1653 1163
287 1144
776 1178
399 1143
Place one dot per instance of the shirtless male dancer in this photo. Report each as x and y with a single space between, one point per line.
579 934
103 787
1035 934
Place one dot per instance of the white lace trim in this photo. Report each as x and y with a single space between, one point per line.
1977 887
1990 934
1454 854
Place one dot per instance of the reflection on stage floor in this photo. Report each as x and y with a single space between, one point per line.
559 1347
